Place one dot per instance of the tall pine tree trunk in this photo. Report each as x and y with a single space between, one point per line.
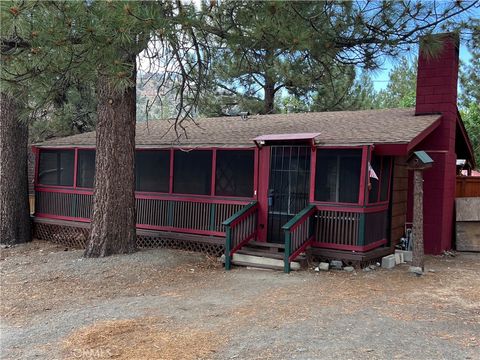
14 206
113 220
269 90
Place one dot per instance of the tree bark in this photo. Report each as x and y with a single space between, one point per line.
14 205
418 251
269 99
113 220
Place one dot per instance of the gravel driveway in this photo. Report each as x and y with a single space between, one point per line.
169 304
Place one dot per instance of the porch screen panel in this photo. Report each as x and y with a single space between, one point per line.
375 162
234 173
385 180
56 167
85 168
337 176
192 172
152 170
379 188
349 179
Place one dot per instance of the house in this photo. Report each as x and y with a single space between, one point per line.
333 182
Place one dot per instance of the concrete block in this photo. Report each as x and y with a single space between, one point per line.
336 264
398 258
349 268
388 262
324 266
407 255
416 270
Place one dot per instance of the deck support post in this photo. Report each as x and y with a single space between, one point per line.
286 261
361 230
418 162
228 243
418 250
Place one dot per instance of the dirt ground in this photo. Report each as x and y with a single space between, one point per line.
167 304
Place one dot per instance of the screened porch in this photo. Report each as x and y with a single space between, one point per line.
296 195
183 190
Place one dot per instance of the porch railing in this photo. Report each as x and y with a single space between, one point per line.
338 229
299 233
351 230
240 228
202 216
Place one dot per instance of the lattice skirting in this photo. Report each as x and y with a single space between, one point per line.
70 236
76 237
148 241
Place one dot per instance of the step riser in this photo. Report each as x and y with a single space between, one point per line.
257 260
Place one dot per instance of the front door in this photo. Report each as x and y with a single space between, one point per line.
289 185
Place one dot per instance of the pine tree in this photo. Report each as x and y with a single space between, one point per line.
470 94
401 89
263 47
48 43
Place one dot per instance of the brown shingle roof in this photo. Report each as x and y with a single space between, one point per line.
340 127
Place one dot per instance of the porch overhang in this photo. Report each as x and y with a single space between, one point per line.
294 137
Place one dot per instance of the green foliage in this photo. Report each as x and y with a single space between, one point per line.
470 94
470 74
401 89
264 47
76 113
49 48
471 119
346 92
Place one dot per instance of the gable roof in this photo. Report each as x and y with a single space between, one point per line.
386 126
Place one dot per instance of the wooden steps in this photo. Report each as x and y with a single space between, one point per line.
257 252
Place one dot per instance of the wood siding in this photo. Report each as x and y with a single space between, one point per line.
399 199
468 186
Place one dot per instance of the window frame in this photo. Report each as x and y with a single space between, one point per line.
214 173
37 167
77 150
170 175
361 190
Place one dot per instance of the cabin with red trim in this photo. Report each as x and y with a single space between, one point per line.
334 184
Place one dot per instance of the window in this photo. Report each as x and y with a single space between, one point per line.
152 170
85 168
379 188
56 167
337 177
192 172
234 173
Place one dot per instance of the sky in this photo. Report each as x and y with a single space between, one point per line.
380 77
